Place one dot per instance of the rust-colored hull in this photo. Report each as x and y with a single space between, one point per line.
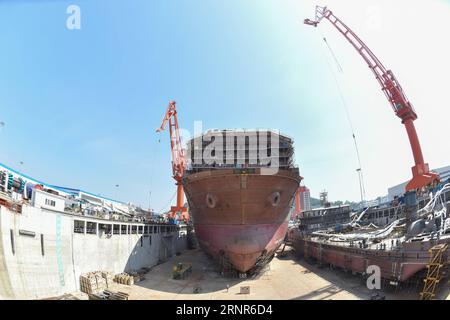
396 265
240 218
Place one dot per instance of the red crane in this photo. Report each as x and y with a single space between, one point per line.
178 160
422 176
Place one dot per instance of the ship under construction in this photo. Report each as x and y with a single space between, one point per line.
240 202
242 187
400 237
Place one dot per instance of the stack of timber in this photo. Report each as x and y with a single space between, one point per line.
109 295
88 283
140 274
92 282
124 278
116 295
108 276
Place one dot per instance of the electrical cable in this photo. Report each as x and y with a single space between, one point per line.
169 202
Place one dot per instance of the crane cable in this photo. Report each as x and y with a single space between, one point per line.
344 103
152 158
332 53
151 176
169 202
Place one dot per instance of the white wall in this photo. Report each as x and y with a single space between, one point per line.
27 274
41 199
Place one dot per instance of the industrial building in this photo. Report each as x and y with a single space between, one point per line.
398 190
305 198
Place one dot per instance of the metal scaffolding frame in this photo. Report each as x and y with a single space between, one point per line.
434 274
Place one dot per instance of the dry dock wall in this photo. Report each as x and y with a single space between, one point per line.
41 256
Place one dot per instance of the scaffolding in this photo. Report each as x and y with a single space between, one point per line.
434 274
222 149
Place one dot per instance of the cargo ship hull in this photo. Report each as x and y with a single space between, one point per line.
395 238
396 264
240 216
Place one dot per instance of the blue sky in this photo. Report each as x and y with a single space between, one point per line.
81 106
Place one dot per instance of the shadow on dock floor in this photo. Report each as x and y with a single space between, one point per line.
356 284
285 278
204 278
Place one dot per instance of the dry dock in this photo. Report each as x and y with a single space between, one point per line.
285 278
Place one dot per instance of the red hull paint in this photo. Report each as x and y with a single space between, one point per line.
398 265
240 218
243 244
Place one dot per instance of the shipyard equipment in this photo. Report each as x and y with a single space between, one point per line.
434 272
422 176
178 160
181 271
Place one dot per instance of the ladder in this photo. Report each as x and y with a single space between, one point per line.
434 273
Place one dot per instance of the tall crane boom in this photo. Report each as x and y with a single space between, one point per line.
422 176
178 158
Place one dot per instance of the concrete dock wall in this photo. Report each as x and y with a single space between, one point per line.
41 255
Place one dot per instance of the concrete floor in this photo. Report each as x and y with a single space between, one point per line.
285 278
